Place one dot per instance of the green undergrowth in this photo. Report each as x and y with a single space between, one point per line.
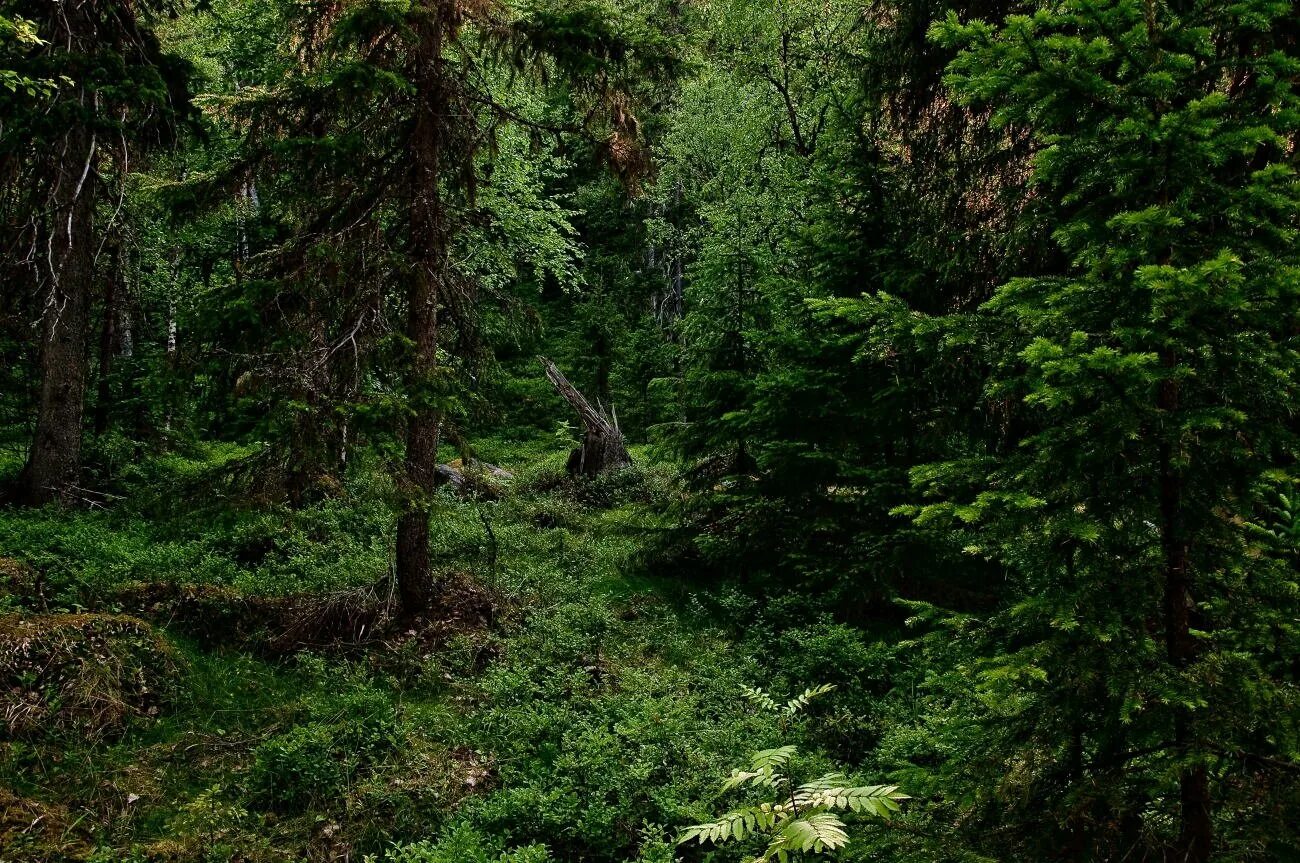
589 721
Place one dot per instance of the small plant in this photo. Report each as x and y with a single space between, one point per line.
1281 527
461 844
344 737
791 708
292 769
566 433
212 825
797 818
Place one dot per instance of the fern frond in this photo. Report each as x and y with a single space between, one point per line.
766 777
776 850
759 698
818 832
772 759
802 700
831 792
802 820
735 825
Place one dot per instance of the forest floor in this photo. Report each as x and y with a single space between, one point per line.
267 711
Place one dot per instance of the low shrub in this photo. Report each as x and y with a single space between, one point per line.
461 845
293 769
343 737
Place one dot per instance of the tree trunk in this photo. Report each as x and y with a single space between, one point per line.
308 448
602 447
415 584
1196 830
54 463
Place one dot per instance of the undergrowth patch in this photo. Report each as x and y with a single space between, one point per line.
555 707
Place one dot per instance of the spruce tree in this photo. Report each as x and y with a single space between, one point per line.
89 88
391 124
1143 680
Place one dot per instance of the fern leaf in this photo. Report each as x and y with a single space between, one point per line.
733 825
763 777
776 850
758 697
818 832
772 759
830 792
799 702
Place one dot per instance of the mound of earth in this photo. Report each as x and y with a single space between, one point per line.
271 626
91 673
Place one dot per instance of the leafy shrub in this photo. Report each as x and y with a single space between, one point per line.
792 820
301 765
602 717
460 845
212 828
105 456
860 664
344 735
365 720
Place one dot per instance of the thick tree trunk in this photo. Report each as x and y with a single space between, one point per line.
54 463
1196 830
415 583
602 447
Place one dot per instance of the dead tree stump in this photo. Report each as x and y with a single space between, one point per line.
602 446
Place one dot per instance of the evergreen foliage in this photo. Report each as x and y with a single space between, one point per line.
954 345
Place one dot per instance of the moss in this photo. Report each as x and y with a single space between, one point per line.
13 570
92 673
548 698
31 830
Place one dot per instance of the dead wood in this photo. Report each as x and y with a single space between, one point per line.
602 449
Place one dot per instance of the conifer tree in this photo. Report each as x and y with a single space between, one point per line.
390 125
109 91
1152 639
896 191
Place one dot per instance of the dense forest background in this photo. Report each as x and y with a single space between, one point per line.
468 430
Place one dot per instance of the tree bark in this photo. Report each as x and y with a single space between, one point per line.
415 583
54 464
602 447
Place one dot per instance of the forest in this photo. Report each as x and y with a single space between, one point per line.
649 431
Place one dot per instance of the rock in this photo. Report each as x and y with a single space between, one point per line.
475 478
